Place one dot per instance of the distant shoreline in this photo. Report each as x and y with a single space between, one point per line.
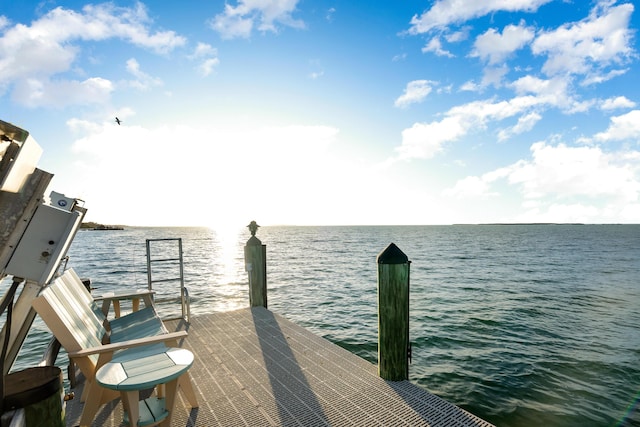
532 223
100 227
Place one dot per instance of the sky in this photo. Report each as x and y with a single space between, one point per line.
327 112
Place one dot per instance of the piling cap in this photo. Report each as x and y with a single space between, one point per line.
392 255
253 240
253 227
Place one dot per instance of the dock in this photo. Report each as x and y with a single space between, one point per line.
255 368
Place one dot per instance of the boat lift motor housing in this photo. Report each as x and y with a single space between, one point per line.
45 242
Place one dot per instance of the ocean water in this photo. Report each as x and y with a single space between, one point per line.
522 325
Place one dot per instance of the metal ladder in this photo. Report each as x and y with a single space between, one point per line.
184 293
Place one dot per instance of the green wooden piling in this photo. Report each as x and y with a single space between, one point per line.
393 314
255 259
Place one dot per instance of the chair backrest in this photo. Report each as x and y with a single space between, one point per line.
73 284
71 320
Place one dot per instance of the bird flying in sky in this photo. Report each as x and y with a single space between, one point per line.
118 121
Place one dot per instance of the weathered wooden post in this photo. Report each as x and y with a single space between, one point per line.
255 261
393 314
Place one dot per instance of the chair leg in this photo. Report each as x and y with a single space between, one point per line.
135 304
130 404
85 390
160 391
186 385
170 400
91 405
116 308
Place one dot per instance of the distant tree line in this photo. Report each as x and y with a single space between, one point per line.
97 226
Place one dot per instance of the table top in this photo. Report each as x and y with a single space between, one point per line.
144 367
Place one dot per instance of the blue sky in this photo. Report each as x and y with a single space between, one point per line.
331 112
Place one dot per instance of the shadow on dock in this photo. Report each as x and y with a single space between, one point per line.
281 363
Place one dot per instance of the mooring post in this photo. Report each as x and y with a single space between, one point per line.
255 261
393 314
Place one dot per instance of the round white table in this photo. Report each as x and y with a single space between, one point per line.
143 368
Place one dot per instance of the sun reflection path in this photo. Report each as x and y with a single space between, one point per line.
228 239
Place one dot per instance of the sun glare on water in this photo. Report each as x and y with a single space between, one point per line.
228 236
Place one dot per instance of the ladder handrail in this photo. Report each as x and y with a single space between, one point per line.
184 294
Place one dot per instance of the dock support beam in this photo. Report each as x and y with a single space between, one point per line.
255 259
393 314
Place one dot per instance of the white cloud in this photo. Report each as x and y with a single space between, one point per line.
470 86
539 87
435 46
577 106
425 140
478 187
143 80
553 92
494 47
617 102
230 25
207 57
101 22
458 36
563 213
585 47
4 22
232 160
596 77
493 76
566 184
446 12
626 126
25 56
239 21
525 124
415 92
478 112
207 66
330 13
78 126
30 56
203 50
399 57
470 187
564 172
445 89
59 94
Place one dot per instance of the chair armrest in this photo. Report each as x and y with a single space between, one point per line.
140 293
113 298
110 348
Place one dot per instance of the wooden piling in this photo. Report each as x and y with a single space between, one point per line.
255 258
393 314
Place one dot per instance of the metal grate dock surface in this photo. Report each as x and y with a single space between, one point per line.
254 368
